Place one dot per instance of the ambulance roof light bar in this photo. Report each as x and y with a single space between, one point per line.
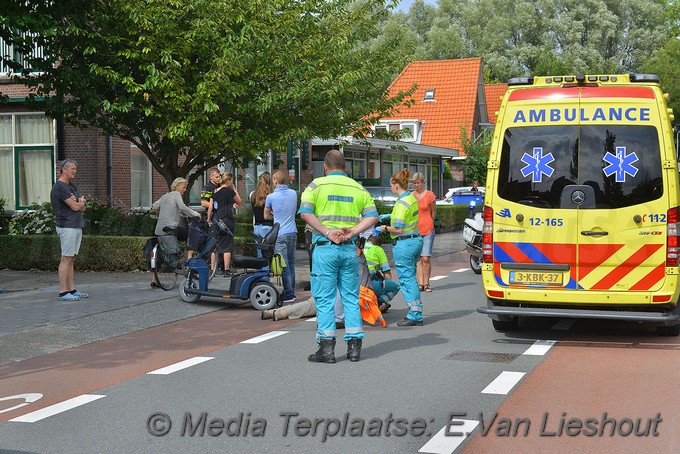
644 78
521 81
582 79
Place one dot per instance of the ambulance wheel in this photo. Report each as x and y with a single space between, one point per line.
263 296
505 325
476 264
189 282
663 330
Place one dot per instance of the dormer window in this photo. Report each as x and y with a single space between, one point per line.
429 94
408 128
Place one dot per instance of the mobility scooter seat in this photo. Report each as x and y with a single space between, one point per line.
266 245
245 261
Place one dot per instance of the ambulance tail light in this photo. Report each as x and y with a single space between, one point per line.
672 237
487 235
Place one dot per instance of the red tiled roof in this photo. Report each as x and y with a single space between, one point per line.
494 93
455 83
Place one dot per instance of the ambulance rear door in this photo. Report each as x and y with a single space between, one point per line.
619 193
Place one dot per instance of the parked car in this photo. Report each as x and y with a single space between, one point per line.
383 195
463 190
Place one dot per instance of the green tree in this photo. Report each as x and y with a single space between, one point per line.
535 37
666 64
193 82
476 156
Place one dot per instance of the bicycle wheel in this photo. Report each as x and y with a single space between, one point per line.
213 271
165 277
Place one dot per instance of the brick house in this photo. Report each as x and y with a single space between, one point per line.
450 97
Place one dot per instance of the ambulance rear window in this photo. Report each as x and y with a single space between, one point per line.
622 164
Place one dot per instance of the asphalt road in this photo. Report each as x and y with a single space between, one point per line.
226 381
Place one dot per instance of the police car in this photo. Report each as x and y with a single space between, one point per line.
581 215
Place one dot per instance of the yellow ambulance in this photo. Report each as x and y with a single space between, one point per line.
581 215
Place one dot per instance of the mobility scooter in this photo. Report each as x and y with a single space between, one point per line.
252 284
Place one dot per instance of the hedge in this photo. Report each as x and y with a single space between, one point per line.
97 253
124 253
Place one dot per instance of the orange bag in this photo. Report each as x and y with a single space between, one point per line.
368 303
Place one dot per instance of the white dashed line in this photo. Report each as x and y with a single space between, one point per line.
504 383
461 270
180 365
442 443
540 347
436 278
264 337
564 325
57 408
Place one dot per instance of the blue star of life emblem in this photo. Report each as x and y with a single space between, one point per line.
537 165
620 164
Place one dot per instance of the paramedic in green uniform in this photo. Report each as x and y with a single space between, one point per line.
406 246
337 209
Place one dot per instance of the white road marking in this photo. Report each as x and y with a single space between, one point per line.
167 370
57 408
28 399
564 325
436 278
442 443
540 347
264 337
461 270
503 383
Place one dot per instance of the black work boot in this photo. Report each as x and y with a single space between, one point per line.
353 350
325 353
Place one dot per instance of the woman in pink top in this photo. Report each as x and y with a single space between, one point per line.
427 209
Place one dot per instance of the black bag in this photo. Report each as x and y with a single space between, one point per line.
169 248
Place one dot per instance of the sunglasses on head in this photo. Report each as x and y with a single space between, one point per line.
65 163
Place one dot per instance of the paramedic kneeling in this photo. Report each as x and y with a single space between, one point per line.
337 208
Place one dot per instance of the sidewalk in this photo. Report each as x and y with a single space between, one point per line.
33 321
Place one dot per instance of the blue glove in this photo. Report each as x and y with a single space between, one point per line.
384 217
376 232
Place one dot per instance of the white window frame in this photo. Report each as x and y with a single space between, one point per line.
390 125
8 49
18 148
149 189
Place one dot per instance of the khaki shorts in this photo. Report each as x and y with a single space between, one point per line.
70 241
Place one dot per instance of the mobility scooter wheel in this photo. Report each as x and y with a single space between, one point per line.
189 282
263 296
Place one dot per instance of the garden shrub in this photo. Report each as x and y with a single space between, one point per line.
37 220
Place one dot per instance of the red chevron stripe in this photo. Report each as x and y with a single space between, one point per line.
590 256
652 278
516 253
626 267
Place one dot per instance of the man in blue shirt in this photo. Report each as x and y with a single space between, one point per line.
281 205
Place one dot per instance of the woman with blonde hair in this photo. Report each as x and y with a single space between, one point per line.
261 226
170 206
427 209
406 246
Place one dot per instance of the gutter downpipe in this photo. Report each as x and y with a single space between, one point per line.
109 170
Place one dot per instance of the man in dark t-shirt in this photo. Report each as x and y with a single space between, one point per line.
222 207
208 189
68 206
